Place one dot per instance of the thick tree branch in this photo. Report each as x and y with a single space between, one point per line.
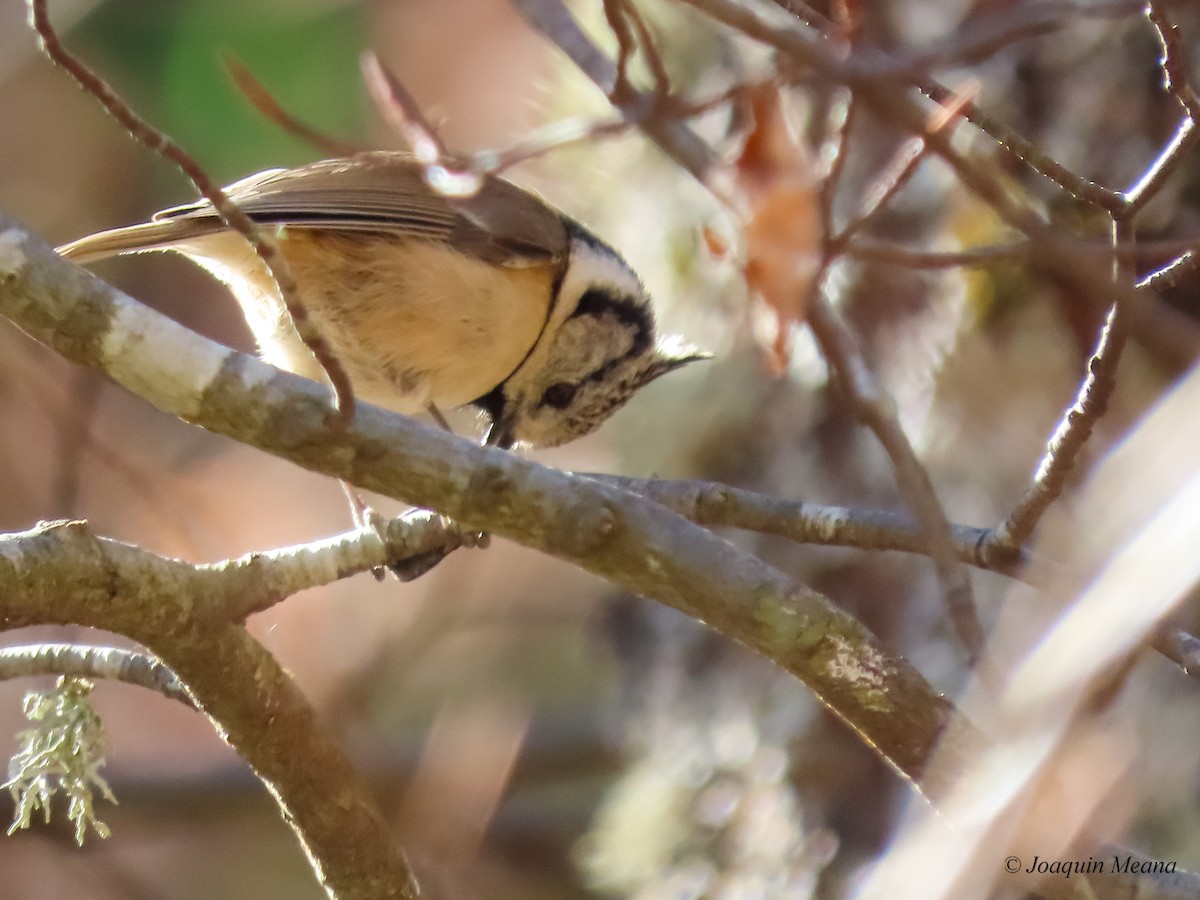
60 573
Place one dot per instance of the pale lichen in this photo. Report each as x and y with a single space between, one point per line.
64 751
862 666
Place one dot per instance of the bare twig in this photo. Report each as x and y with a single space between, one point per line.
982 36
1085 251
1094 393
632 32
266 249
1073 429
1175 82
1010 141
836 143
871 405
1022 150
111 663
270 108
573 131
899 172
875 410
889 253
554 20
714 504
614 11
402 112
649 47
1172 273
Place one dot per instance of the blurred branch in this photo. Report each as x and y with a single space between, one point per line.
401 111
1052 253
1175 81
554 20
270 108
625 20
633 542
876 410
264 246
109 663
1097 388
73 440
711 503
1073 431
61 573
1088 252
1015 145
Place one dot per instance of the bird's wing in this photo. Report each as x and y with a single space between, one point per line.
388 192
378 192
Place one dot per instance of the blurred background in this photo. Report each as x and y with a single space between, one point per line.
530 732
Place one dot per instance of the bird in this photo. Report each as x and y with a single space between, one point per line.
493 299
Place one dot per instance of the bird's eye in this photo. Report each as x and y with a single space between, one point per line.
559 395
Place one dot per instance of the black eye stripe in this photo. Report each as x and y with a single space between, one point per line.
597 302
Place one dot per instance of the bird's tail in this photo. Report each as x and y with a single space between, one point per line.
131 239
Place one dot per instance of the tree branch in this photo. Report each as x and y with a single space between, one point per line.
111 663
633 542
60 573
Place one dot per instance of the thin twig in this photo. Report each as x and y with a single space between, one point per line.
875 410
1097 388
899 171
649 47
110 663
1010 141
889 253
836 143
574 131
614 11
1076 425
979 39
867 398
1087 251
1171 274
271 109
1175 82
259 580
632 33
715 504
401 111
233 217
555 21
1022 150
